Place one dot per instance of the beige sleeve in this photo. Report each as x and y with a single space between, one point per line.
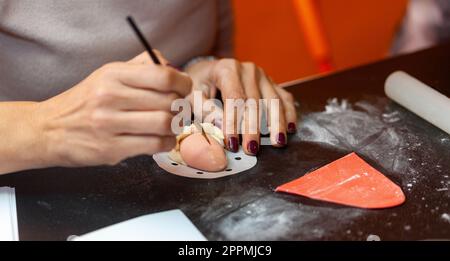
224 40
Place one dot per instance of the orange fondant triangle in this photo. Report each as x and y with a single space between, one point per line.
349 181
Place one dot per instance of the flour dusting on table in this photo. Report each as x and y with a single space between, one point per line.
380 134
258 215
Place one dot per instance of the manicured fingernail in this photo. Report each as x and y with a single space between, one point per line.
281 139
233 144
292 127
252 147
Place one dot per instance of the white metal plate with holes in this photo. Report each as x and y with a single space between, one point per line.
237 162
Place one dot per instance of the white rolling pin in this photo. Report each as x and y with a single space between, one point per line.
419 98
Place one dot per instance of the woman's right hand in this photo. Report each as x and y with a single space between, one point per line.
121 110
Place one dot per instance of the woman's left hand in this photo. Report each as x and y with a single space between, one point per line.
245 80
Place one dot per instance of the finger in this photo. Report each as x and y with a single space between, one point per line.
150 76
196 98
232 117
133 99
206 109
142 123
289 109
144 58
213 113
161 57
250 133
275 113
227 77
130 146
250 123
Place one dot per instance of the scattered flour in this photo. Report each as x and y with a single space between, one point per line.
446 217
267 216
334 106
376 131
381 135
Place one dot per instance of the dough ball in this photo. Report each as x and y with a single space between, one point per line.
198 153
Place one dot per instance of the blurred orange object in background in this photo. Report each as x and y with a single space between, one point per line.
311 23
271 33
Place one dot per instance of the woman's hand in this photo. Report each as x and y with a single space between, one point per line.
121 110
245 81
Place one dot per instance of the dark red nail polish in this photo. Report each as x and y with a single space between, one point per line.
253 147
281 139
233 144
292 127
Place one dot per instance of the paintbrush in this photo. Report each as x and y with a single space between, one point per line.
155 59
144 41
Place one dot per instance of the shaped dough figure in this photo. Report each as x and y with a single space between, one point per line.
193 150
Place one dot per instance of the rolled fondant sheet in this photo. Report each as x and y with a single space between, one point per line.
348 181
419 98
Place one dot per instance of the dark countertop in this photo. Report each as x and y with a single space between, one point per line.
55 203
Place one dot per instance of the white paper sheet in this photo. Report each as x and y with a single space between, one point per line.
8 215
170 225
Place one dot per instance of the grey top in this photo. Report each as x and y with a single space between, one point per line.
48 46
426 23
